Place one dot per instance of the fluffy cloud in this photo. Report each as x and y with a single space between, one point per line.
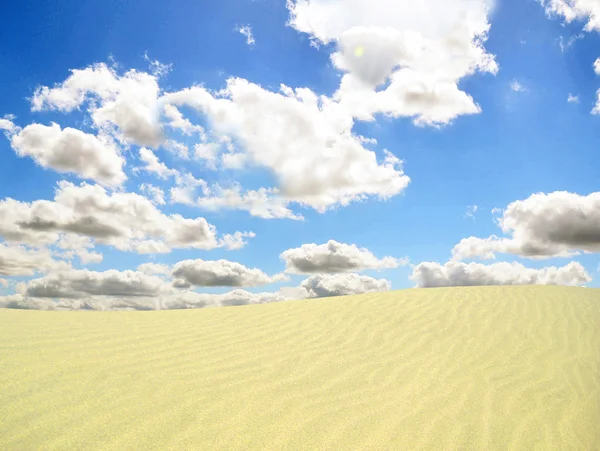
263 203
156 194
306 140
327 285
597 66
70 150
127 221
83 283
219 273
570 10
77 245
246 31
22 261
154 268
7 125
559 224
178 122
144 290
128 102
334 257
430 274
154 166
421 52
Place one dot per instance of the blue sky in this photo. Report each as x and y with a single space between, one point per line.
526 138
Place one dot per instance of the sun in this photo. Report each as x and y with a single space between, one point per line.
359 51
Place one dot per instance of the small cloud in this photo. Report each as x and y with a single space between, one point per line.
564 45
597 66
471 210
572 98
157 68
246 31
517 87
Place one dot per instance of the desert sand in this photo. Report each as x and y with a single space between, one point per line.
478 368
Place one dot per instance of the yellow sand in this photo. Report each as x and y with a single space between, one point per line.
492 368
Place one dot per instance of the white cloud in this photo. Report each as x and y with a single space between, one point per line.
517 87
597 66
143 290
431 274
208 153
422 50
178 149
127 221
128 102
71 151
246 31
328 285
219 273
184 191
23 261
157 68
334 257
572 98
304 139
570 10
154 268
157 195
77 245
154 166
471 210
559 224
178 122
83 283
8 126
263 203
564 46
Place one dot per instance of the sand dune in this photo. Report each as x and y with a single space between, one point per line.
482 368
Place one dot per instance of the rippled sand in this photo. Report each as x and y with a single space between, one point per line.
483 368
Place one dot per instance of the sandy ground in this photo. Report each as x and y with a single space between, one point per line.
482 368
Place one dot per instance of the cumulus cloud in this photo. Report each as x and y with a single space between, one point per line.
246 31
219 273
154 166
145 290
77 245
570 10
178 149
22 261
178 122
451 274
597 66
8 126
83 283
559 224
306 140
157 195
71 151
264 203
127 221
328 285
128 102
334 257
572 98
416 55
154 268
